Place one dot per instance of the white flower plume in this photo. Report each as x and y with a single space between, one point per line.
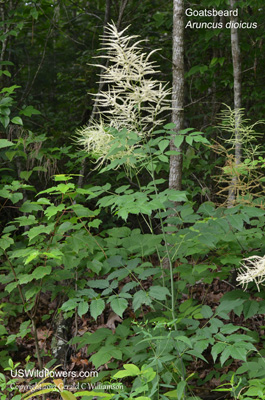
253 271
133 100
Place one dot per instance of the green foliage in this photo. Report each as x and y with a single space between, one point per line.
7 385
143 385
54 243
100 249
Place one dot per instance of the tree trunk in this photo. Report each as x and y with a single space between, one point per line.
237 105
175 174
175 168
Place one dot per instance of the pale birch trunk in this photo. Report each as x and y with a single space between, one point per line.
175 169
237 105
175 174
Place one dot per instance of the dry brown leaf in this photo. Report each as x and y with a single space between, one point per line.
113 317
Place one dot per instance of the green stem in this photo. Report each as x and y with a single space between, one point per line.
152 173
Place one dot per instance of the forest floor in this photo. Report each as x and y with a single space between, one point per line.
206 378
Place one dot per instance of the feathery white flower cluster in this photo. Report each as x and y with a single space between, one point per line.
254 272
133 100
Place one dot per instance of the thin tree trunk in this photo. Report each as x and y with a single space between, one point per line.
4 43
175 168
123 5
237 105
175 174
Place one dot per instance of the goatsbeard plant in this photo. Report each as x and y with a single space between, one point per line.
129 111
132 100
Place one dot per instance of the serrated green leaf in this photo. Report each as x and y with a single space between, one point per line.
54 254
34 254
42 271
70 304
43 200
64 188
250 308
6 242
236 221
206 311
193 70
122 189
178 141
119 305
226 306
189 139
217 349
81 211
100 358
11 286
128 286
95 223
164 159
25 175
176 195
200 139
39 230
197 354
99 284
29 111
96 308
229 328
239 352
95 266
82 308
32 292
63 177
225 355
169 126
11 338
184 339
15 197
53 210
163 145
140 298
159 292
25 278
26 220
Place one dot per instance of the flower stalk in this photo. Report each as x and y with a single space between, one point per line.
133 101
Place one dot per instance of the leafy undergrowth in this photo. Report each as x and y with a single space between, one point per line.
205 374
186 329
